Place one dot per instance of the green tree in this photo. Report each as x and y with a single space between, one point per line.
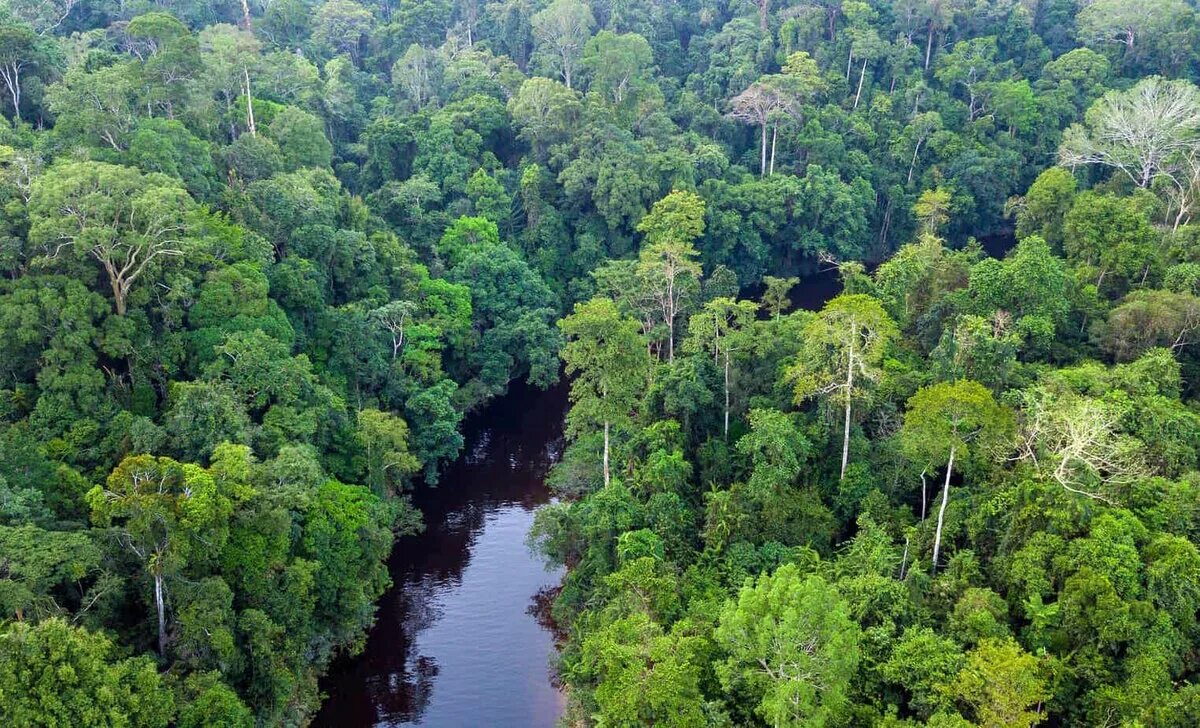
775 294
617 64
339 26
23 54
53 673
561 31
164 513
841 352
1001 683
127 221
384 440
793 645
667 262
606 356
647 677
950 420
722 327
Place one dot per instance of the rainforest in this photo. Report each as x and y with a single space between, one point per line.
600 363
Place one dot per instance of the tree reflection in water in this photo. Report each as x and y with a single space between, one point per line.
462 633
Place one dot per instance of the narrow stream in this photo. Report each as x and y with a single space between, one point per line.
456 641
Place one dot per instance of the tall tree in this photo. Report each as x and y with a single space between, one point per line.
22 53
949 421
561 31
722 328
1147 132
841 353
793 645
127 221
164 513
667 263
605 355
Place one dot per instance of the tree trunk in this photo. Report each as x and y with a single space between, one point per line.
937 538
249 105
928 45
846 430
160 605
727 395
774 138
861 75
118 296
606 428
912 165
923 498
762 169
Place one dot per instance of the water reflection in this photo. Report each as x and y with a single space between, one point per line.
458 641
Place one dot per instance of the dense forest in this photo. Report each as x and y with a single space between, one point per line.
260 259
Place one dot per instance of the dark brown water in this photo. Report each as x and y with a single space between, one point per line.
456 642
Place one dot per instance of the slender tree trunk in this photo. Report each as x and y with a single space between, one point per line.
160 605
849 63
937 538
923 491
249 105
846 430
762 169
727 395
774 138
912 165
861 75
606 450
669 313
929 45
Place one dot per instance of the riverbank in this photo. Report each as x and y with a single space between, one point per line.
458 637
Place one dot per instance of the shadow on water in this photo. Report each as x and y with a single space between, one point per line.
458 639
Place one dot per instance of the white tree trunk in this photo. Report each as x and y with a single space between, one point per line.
160 605
861 75
727 395
937 538
846 429
762 168
249 104
774 138
606 477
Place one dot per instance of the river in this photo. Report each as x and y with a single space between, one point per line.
456 641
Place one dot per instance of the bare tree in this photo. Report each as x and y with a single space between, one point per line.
760 104
1146 132
394 318
1076 442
